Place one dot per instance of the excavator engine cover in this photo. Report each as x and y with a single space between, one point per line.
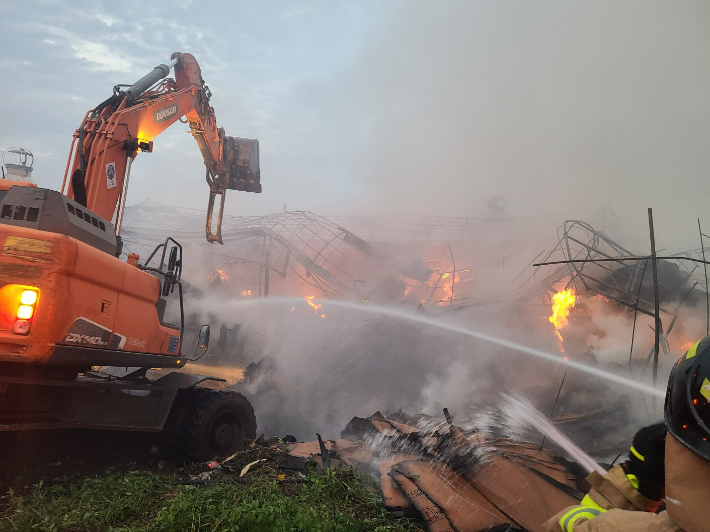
242 159
48 210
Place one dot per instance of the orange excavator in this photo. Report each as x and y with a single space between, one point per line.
79 327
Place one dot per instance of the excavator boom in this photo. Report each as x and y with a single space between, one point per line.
112 135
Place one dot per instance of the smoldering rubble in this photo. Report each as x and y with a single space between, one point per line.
428 467
306 365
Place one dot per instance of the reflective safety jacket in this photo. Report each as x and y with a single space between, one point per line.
687 489
613 505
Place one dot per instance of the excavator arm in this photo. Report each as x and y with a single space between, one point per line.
112 135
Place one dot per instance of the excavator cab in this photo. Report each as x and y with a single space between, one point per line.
170 308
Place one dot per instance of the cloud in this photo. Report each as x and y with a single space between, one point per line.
106 19
100 56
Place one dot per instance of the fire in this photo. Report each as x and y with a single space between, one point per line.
246 293
316 306
221 275
562 303
448 286
451 281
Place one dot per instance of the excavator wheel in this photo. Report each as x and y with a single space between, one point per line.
208 424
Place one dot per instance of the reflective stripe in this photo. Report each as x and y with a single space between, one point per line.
637 454
705 389
588 501
692 351
569 520
633 480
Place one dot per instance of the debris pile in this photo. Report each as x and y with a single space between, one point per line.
454 479
270 456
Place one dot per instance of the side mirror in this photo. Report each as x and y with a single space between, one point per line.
172 260
203 340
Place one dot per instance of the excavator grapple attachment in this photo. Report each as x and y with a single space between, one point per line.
241 158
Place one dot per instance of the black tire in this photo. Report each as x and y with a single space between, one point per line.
208 424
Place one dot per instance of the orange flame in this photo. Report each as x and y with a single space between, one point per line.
454 279
246 293
316 306
448 286
562 303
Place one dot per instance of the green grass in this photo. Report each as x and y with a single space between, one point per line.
334 500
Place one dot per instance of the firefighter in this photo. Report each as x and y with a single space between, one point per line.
648 493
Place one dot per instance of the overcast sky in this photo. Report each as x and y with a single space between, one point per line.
419 107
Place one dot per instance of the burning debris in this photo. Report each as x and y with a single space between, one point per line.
329 364
602 278
424 260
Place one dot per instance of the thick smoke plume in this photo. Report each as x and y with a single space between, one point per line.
559 107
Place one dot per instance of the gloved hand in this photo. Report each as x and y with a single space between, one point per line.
646 461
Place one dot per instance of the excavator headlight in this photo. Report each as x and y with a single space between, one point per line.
145 145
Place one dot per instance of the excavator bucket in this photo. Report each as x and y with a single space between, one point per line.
241 157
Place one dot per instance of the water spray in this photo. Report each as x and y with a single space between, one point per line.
519 410
408 316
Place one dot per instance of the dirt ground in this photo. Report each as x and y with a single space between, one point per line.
56 455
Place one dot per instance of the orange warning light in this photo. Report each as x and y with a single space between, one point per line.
25 312
28 297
